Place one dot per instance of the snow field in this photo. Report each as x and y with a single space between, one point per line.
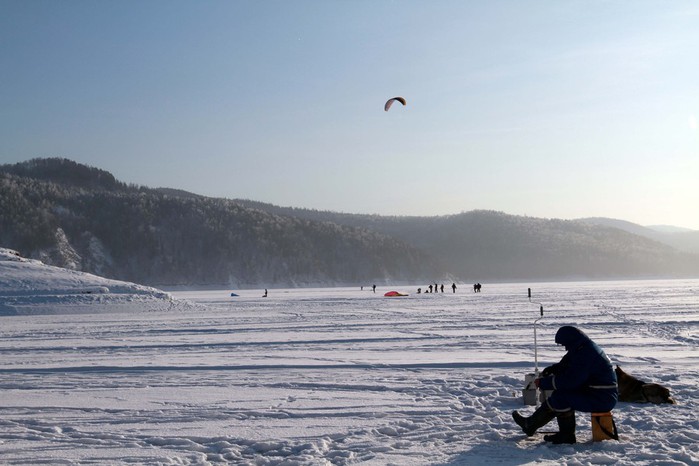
339 376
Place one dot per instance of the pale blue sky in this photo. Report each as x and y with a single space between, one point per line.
559 109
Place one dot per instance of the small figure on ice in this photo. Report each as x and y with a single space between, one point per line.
584 380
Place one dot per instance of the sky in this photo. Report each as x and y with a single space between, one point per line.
541 108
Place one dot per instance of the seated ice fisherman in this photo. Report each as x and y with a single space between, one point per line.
584 380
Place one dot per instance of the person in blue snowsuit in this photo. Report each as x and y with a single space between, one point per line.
584 380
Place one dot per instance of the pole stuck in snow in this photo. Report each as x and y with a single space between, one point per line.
541 316
536 346
536 352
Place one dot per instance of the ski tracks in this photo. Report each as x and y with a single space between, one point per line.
680 330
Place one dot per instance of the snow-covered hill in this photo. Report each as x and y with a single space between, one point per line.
31 287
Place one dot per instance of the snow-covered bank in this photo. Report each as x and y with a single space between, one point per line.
31 287
341 376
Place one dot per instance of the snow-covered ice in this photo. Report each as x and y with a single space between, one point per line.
335 376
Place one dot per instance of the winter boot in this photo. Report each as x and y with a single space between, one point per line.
566 427
540 418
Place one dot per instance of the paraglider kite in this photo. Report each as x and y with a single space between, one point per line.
389 102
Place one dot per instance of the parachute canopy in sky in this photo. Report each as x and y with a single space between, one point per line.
389 102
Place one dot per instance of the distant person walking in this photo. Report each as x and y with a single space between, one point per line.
453 287
373 288
441 288
265 295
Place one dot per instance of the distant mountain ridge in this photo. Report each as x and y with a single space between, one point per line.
669 229
64 171
508 247
67 214
682 239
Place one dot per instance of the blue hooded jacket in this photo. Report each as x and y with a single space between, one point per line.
584 366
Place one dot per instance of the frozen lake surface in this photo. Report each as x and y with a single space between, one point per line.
339 376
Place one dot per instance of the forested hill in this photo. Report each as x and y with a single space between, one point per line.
165 237
70 215
490 245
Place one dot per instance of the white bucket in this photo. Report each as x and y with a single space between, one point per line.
529 390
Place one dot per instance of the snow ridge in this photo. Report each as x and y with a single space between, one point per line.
30 286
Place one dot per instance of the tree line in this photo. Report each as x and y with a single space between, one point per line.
161 237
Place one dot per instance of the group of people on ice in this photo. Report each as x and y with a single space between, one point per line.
437 288
429 289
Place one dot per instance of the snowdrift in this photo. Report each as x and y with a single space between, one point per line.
29 286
